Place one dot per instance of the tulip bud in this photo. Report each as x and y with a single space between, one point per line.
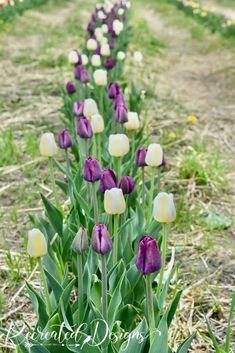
84 129
101 240
70 87
65 140
80 242
84 77
138 57
92 170
127 184
91 44
164 208
37 245
121 56
91 28
97 123
110 63
149 258
48 147
133 121
119 100
117 26
84 59
78 108
74 57
105 28
100 77
114 90
140 157
121 11
121 114
105 50
95 60
90 108
154 155
118 145
114 201
108 180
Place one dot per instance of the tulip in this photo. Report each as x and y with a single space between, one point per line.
84 129
121 114
140 157
91 28
78 108
97 123
74 57
97 51
105 28
154 156
133 122
101 240
37 244
111 42
114 201
65 140
80 242
84 59
121 56
84 76
105 50
119 100
117 26
91 44
164 208
127 184
92 170
104 41
138 57
118 145
108 180
48 147
114 90
100 77
95 60
90 108
121 12
70 87
78 72
110 63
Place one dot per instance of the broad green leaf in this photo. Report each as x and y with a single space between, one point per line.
38 305
184 347
55 286
160 343
173 307
54 216
138 340
115 301
228 333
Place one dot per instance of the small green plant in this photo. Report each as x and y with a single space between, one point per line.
14 264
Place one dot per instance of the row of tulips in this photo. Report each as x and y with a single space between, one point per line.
102 252
206 14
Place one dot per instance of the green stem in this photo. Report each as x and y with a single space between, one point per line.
54 190
119 165
101 101
95 201
151 193
143 186
133 145
80 287
150 308
104 288
99 147
115 240
44 282
164 253
94 146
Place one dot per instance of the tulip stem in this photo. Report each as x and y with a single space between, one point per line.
151 194
95 201
52 175
104 288
101 101
99 147
115 240
94 145
44 282
164 253
150 308
119 164
143 187
80 286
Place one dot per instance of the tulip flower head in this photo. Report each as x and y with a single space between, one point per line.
127 184
90 108
100 77
133 122
92 170
118 145
121 114
84 129
65 140
48 147
101 240
74 57
37 245
154 156
70 87
114 201
84 59
80 242
121 56
110 63
78 108
114 90
91 44
149 258
108 180
117 26
105 50
95 60
97 123
140 157
164 208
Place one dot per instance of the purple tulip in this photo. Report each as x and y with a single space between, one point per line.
149 257
97 51
121 114
119 100
84 76
140 157
101 240
92 170
114 90
111 43
65 140
108 180
84 129
78 71
91 28
127 184
70 87
110 63
78 108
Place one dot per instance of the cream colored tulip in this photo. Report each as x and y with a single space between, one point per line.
84 59
91 44
97 123
121 11
133 122
48 146
121 56
73 57
105 28
95 60
104 40
114 201
164 208
117 26
37 245
101 15
105 50
100 77
118 145
90 108
154 156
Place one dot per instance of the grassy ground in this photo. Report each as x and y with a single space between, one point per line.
186 71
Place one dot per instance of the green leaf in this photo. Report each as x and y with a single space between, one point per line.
172 308
55 285
213 339
115 301
54 216
138 341
84 343
39 306
184 347
228 333
127 316
160 343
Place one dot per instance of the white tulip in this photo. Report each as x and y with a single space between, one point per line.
101 15
91 44
138 56
48 146
133 122
73 57
90 108
164 208
37 245
105 50
95 60
104 40
84 59
105 28
118 145
100 77
121 12
154 156
114 201
128 4
117 26
97 123
121 56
